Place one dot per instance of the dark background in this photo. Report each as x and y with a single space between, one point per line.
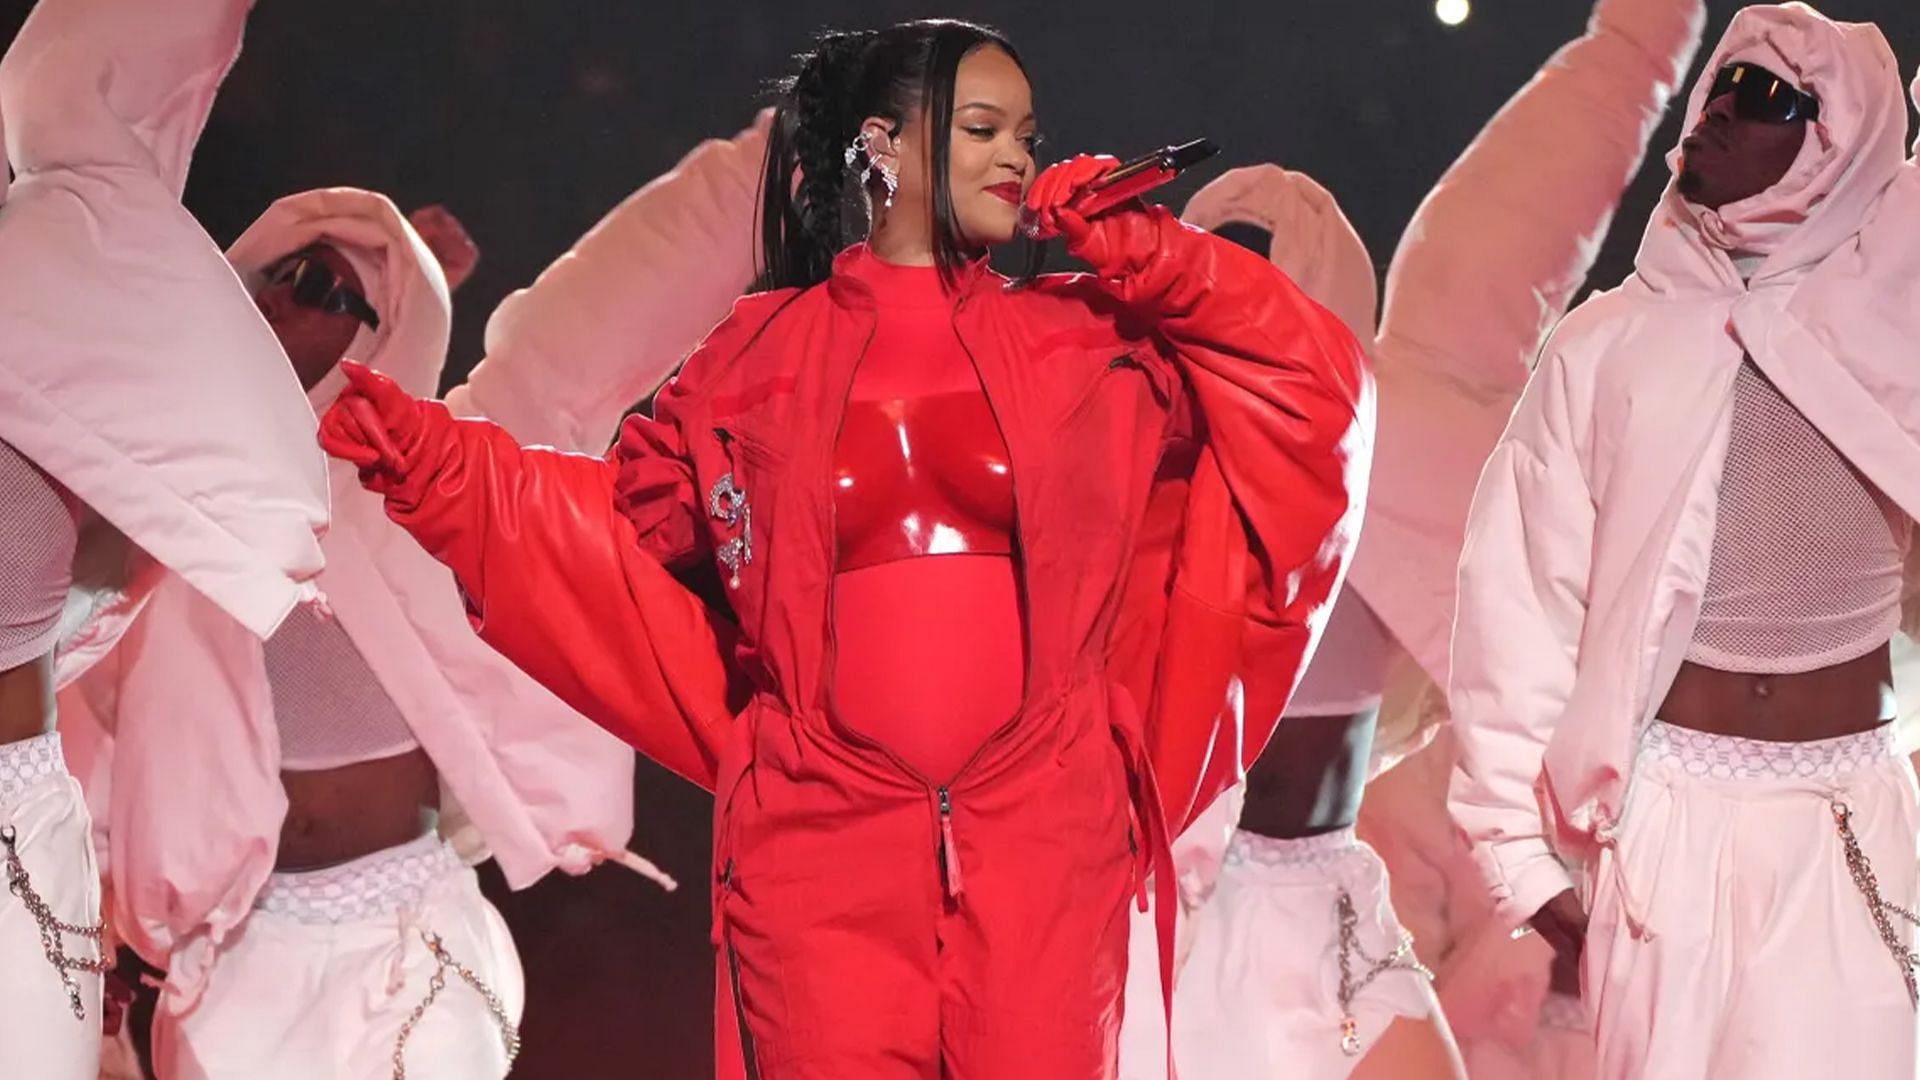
531 118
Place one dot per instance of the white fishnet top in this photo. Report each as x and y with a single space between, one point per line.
36 559
329 707
1807 554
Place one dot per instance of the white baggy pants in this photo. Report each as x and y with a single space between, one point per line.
1259 993
53 838
330 965
1728 938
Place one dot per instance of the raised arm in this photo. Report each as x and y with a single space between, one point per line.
1490 262
1500 246
606 324
561 558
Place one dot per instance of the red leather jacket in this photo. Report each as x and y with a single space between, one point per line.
1189 436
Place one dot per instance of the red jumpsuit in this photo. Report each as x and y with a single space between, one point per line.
1187 435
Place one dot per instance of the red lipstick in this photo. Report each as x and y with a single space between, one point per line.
1009 191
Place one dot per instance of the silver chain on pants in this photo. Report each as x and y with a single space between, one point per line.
53 932
1882 910
1350 987
509 1031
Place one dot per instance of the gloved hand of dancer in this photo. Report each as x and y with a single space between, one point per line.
449 241
1562 923
1059 185
371 424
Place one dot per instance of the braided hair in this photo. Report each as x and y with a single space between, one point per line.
812 203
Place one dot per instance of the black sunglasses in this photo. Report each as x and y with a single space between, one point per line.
316 286
1759 94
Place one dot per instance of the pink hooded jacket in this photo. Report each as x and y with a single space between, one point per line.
134 368
197 803
1588 540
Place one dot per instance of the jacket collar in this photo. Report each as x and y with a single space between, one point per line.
848 291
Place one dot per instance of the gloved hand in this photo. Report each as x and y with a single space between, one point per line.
370 425
1059 185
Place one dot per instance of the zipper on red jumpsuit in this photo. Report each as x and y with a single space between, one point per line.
949 851
946 848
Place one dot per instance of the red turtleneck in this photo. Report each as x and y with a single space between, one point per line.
932 651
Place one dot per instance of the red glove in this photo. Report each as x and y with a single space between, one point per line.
1061 184
369 424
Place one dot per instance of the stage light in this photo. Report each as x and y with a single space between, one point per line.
1452 12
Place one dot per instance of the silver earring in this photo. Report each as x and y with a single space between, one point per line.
860 150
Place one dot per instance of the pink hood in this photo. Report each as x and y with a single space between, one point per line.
605 325
1850 155
542 787
133 366
402 280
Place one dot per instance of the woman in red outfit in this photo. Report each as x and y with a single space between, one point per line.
987 543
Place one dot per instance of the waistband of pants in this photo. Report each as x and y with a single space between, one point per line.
26 763
1709 756
372 886
1335 856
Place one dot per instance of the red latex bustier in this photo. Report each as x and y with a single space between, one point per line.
931 650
